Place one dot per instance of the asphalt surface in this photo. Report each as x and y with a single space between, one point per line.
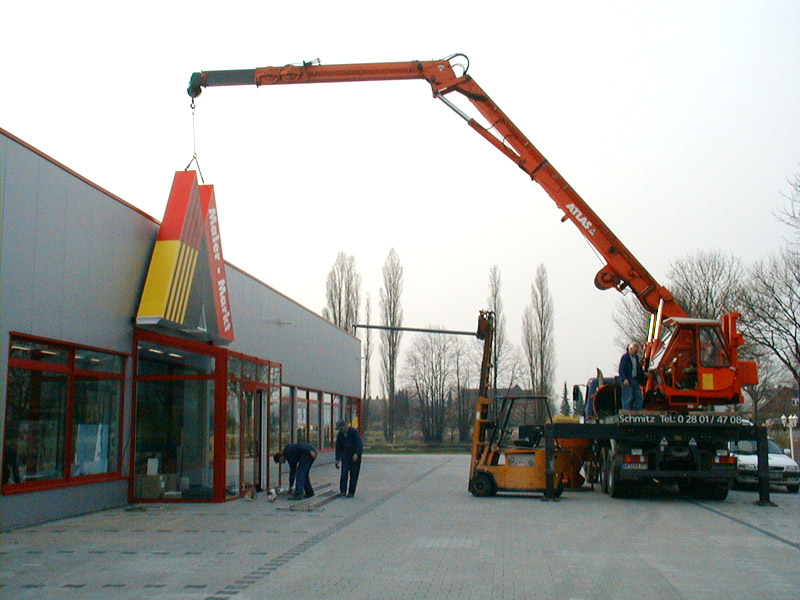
414 532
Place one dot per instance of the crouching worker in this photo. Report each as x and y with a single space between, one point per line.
349 449
300 458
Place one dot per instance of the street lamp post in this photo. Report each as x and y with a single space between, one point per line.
790 423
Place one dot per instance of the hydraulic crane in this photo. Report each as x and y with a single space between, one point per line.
699 366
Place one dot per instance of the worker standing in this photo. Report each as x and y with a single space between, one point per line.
630 376
300 458
349 449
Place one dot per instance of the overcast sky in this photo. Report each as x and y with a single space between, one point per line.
678 122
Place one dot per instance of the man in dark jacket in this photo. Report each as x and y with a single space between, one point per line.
349 449
630 376
300 458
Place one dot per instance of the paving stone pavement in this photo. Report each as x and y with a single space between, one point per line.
413 532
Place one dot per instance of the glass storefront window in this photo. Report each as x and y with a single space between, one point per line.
300 420
234 367
95 425
39 352
63 413
262 373
313 420
36 413
328 426
248 370
174 435
273 433
155 359
337 409
233 450
251 459
286 420
89 360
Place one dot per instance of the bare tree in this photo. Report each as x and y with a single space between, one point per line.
429 374
343 293
543 334
496 306
790 214
631 321
391 316
707 284
464 372
771 374
367 342
771 308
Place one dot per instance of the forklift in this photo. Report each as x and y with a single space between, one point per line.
500 462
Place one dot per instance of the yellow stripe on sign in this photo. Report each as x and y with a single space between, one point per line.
159 279
181 284
188 281
708 381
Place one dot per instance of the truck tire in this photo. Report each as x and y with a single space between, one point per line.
482 485
686 487
710 491
616 488
793 489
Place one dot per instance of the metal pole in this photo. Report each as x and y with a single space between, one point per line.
417 330
550 463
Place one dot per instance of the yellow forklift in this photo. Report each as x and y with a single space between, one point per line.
501 463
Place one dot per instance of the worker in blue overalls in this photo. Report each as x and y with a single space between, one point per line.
300 458
349 449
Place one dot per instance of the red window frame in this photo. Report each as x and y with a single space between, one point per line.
68 480
220 379
251 384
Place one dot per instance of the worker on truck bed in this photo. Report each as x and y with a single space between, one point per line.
631 376
349 449
300 458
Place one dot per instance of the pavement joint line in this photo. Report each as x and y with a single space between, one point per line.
336 527
746 524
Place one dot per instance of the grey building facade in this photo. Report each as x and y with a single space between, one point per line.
98 412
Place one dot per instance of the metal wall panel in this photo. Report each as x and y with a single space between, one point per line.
314 353
73 260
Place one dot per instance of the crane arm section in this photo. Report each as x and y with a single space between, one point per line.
622 270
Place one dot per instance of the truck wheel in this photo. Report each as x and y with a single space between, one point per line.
793 489
481 485
711 491
604 471
616 488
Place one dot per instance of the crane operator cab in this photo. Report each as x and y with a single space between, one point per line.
693 364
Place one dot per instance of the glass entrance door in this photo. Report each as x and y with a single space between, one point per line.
254 413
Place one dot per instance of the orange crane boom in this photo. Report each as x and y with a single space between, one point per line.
621 271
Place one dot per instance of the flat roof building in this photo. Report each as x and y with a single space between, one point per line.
137 364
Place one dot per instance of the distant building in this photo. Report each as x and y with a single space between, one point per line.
138 365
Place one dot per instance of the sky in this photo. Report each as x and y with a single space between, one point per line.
678 122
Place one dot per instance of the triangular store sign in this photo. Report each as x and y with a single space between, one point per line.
186 282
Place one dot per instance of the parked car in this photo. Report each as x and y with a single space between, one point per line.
782 469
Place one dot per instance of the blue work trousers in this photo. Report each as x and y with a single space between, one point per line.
632 396
350 469
302 483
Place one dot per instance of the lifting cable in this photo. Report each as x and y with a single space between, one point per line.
194 148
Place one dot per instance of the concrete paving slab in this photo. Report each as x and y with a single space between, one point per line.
414 532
